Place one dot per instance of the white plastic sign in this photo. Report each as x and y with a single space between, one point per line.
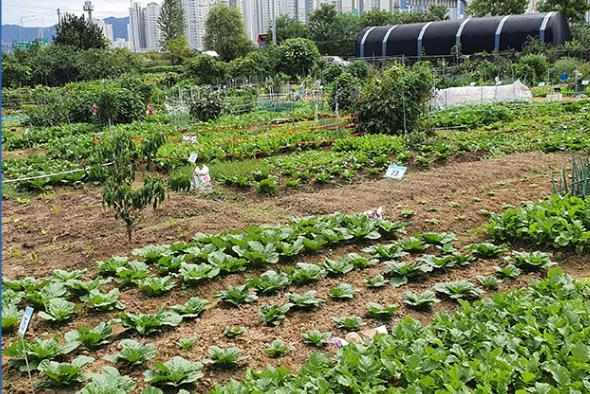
24 323
395 172
193 157
585 82
541 84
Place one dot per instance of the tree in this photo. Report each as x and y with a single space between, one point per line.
297 56
497 7
171 22
75 31
290 28
119 149
572 10
334 33
225 33
178 50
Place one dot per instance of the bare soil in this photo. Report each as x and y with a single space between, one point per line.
69 229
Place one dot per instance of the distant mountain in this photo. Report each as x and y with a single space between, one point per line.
12 33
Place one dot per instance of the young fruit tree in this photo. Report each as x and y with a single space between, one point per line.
118 151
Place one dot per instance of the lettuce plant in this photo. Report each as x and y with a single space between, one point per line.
413 245
236 295
174 372
133 352
386 251
227 263
132 272
277 349
11 317
270 282
376 282
437 239
419 301
257 254
338 267
49 292
82 287
531 261
316 338
63 374
273 315
380 312
152 253
306 301
58 310
187 343
349 323
400 272
27 284
306 273
168 264
486 250
146 324
343 291
488 282
195 273
155 285
103 301
458 289
108 381
192 308
509 271
111 265
358 261
64 276
41 349
233 331
92 338
225 358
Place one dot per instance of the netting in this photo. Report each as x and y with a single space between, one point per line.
471 95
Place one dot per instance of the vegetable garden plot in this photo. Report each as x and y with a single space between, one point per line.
249 247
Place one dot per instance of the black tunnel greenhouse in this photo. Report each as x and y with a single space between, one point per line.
474 35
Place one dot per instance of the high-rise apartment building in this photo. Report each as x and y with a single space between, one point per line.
144 32
107 29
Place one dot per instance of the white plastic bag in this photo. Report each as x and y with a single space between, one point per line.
201 179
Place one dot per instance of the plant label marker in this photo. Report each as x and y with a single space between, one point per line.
22 330
585 82
189 138
395 172
193 157
24 323
541 84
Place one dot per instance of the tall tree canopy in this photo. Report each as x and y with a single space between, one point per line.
171 22
288 27
333 32
225 33
76 31
497 7
572 10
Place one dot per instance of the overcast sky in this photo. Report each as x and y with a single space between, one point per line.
44 13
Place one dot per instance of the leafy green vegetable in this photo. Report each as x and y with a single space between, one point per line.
458 289
82 287
58 310
112 265
488 282
236 295
174 372
92 338
41 349
420 301
509 271
233 331
152 253
486 250
400 272
306 273
108 381
277 349
273 315
225 358
103 301
386 252
257 254
28 284
227 263
306 301
412 245
192 308
194 273
132 272
338 267
376 282
155 285
316 338
146 324
343 291
187 343
48 293
349 323
133 352
531 261
437 239
270 282
63 374
64 276
11 317
380 312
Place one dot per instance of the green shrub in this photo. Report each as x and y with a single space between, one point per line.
531 68
565 65
394 102
344 92
180 179
207 104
